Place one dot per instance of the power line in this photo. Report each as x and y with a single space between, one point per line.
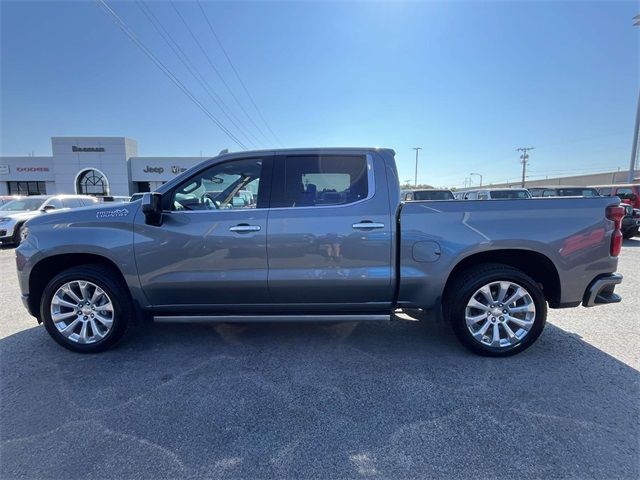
206 55
123 26
184 59
246 90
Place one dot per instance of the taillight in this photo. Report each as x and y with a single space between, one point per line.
616 213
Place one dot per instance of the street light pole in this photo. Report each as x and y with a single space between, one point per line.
634 147
472 173
415 180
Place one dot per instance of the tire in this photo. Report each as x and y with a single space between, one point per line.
98 335
17 234
530 310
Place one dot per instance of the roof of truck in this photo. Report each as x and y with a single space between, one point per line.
274 151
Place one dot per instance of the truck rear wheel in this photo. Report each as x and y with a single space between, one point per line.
85 309
496 310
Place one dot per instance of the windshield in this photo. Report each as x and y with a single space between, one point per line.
433 195
28 204
572 192
502 194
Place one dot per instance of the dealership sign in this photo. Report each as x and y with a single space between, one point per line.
4 170
32 169
75 148
175 169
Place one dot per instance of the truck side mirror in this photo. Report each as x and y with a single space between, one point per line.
152 208
47 208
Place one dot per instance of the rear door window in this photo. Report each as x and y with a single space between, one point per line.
313 181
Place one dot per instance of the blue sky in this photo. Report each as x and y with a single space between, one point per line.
467 81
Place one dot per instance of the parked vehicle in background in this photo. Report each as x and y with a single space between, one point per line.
428 194
458 195
14 214
563 192
630 222
4 199
248 197
114 199
327 240
497 194
627 192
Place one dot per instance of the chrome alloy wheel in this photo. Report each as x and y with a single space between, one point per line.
500 314
82 311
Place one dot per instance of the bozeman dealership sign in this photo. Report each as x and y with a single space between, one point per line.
4 170
75 148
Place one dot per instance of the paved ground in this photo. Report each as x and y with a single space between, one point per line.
392 400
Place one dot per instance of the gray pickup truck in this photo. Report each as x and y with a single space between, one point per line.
323 236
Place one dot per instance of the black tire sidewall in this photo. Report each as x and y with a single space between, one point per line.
17 234
462 297
114 290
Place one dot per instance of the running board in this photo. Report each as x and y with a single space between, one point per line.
270 318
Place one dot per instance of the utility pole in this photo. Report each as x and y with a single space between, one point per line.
415 181
524 159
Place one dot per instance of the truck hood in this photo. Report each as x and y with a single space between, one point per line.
86 215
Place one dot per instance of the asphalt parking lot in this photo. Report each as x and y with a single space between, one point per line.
392 400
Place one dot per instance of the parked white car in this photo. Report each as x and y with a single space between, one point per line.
497 194
15 213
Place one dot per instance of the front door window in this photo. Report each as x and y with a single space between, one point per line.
226 186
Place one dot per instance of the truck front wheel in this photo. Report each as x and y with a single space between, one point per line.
496 310
85 308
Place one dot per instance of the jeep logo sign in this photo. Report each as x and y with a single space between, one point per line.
150 169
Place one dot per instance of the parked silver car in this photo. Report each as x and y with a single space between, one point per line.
4 199
15 213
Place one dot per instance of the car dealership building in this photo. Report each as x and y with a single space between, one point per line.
89 165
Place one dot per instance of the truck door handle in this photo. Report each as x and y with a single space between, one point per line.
245 228
367 225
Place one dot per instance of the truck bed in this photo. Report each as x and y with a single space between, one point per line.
567 237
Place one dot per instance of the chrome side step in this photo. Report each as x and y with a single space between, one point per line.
270 318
